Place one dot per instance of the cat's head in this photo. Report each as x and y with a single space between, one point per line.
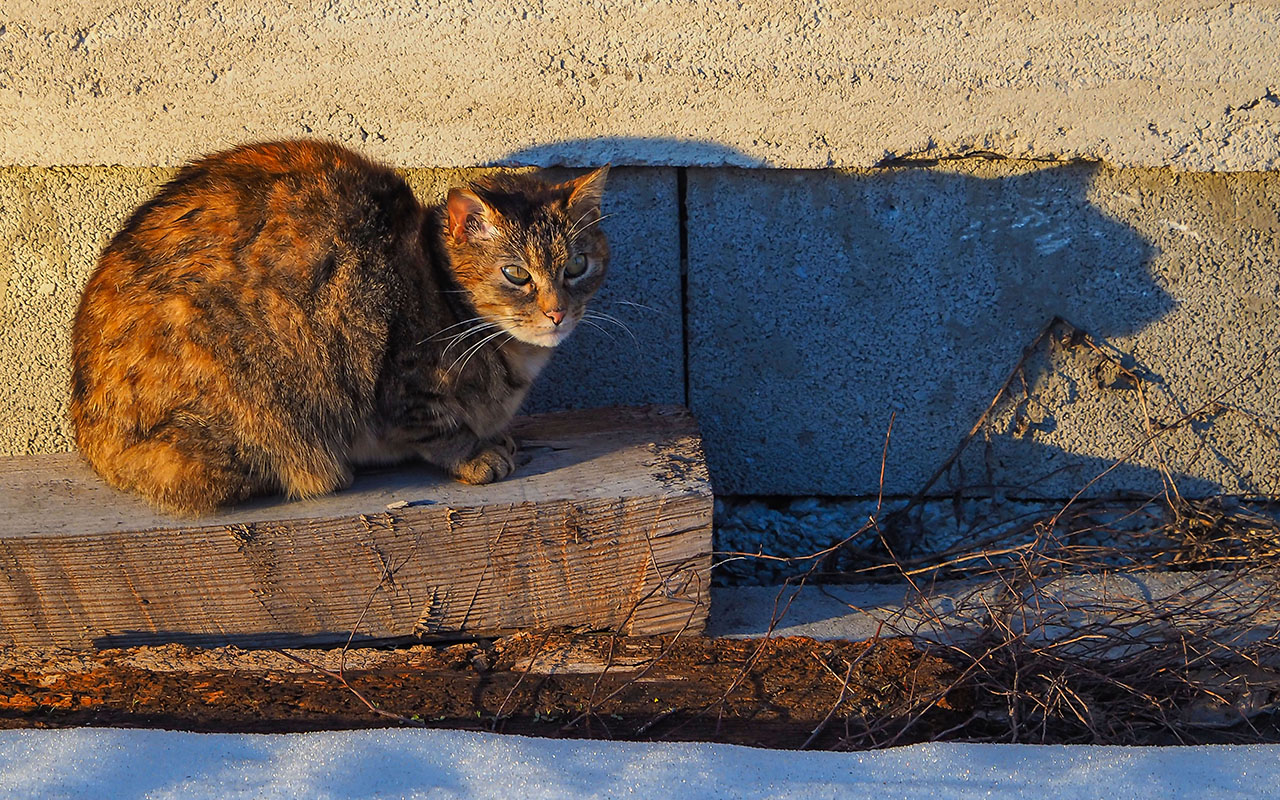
530 254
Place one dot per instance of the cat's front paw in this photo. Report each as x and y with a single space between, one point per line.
494 461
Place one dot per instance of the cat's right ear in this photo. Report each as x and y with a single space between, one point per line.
586 194
470 219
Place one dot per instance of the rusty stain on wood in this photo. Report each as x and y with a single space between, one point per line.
607 526
762 692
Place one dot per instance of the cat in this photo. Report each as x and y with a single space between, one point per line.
281 312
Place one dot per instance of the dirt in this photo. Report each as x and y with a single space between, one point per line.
773 693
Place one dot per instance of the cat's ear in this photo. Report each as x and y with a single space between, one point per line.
470 218
586 193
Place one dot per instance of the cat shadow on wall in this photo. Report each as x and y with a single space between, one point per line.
818 303
908 292
634 151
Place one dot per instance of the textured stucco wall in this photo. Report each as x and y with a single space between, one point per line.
1183 83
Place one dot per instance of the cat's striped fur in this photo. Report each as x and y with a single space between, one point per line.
280 312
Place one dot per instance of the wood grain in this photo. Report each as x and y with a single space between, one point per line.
762 692
606 527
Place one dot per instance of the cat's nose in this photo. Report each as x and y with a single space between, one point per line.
556 316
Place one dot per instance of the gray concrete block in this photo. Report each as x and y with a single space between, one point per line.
822 303
435 83
53 222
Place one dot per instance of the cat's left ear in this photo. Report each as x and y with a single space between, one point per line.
470 217
586 193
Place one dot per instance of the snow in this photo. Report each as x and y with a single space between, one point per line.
106 763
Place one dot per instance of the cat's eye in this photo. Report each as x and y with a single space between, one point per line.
577 266
516 274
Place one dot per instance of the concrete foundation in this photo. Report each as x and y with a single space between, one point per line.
823 303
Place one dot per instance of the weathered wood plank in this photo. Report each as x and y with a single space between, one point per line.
607 526
760 692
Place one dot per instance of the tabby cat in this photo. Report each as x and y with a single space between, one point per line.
280 312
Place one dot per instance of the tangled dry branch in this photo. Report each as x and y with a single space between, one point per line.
1108 622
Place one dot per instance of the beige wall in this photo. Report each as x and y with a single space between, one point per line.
1183 83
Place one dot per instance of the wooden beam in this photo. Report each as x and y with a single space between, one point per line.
606 526
764 692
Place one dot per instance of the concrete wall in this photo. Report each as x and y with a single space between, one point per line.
820 303
794 304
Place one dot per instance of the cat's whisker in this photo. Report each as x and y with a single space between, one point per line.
637 305
600 315
473 349
574 230
457 338
441 332
467 352
601 328
486 323
604 315
464 363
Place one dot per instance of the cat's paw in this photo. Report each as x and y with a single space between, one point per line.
494 461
